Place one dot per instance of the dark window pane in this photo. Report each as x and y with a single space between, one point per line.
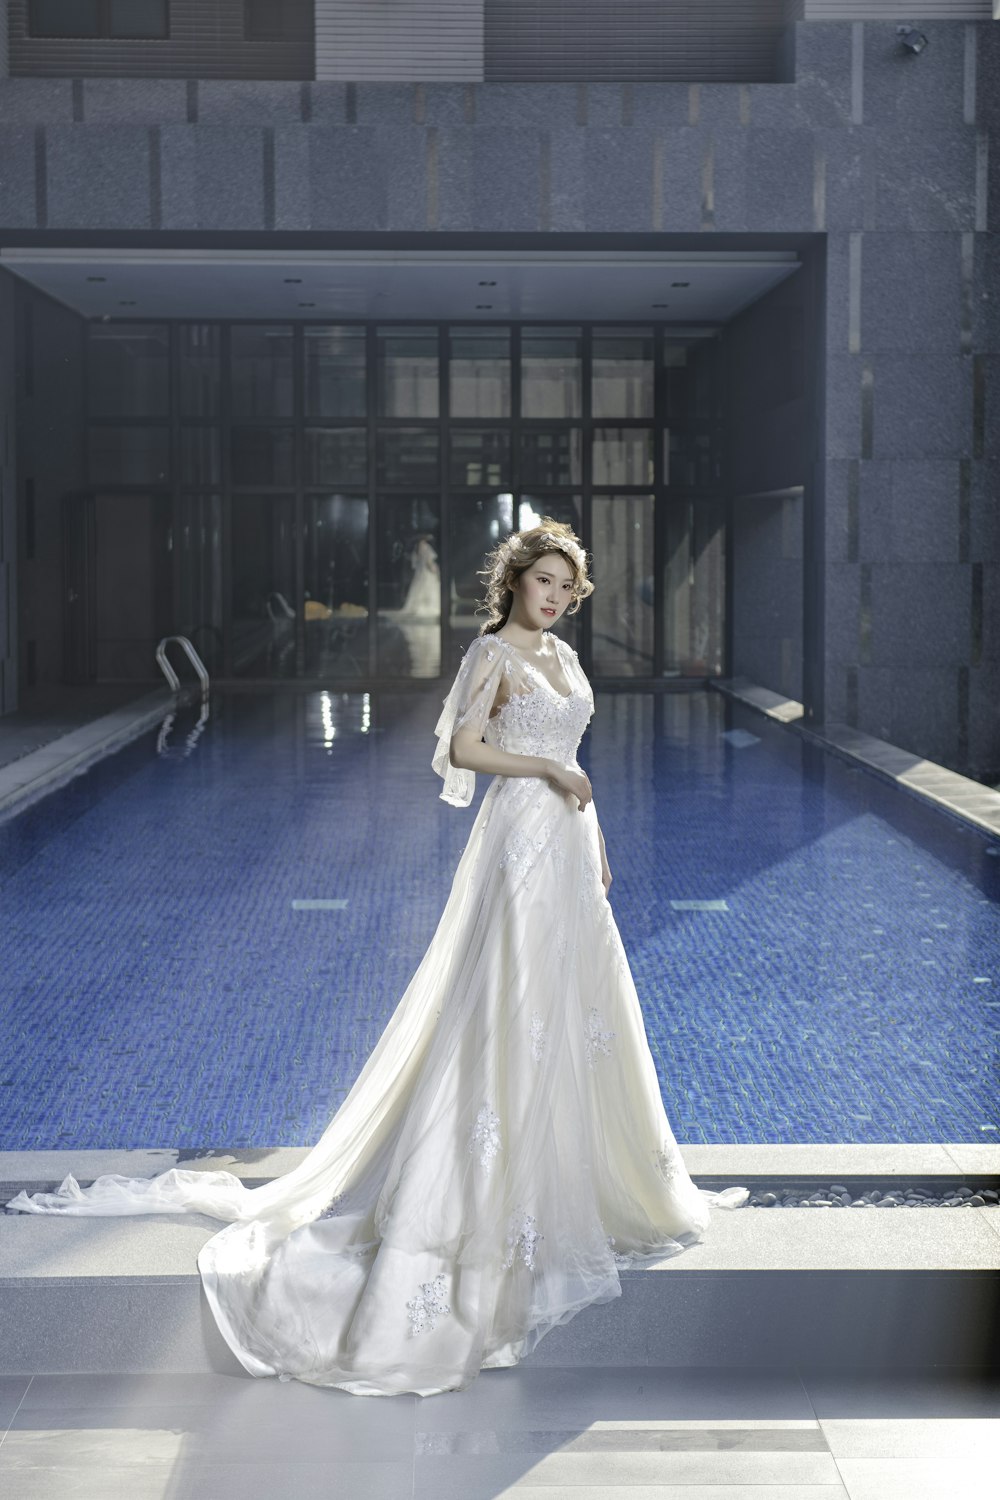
262 561
263 20
479 456
622 381
138 18
198 575
263 455
129 455
551 372
408 586
337 455
262 370
407 372
335 372
128 369
200 461
551 456
64 18
408 456
623 455
622 608
479 372
336 573
198 356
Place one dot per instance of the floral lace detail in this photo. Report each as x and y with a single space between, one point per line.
597 1040
668 1162
521 853
539 1037
522 1240
486 1136
428 1305
620 1259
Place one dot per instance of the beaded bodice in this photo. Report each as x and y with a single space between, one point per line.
536 719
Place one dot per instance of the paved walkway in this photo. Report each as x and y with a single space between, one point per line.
532 1434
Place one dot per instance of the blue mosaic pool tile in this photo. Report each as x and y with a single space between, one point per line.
160 989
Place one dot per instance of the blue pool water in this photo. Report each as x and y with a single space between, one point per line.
160 987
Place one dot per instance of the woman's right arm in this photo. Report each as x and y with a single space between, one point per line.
470 753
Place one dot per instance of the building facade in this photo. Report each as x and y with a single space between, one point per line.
293 326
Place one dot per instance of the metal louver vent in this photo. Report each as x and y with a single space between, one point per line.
726 41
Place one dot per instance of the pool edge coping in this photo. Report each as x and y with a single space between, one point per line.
948 791
33 776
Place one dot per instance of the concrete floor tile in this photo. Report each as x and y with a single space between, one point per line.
464 1478
911 1437
919 1478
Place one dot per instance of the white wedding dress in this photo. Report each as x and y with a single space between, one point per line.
504 1150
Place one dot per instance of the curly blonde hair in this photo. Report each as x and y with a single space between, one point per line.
515 555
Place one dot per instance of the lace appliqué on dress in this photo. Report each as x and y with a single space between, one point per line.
620 1259
522 1240
333 1208
539 1037
428 1305
597 1041
668 1163
486 1136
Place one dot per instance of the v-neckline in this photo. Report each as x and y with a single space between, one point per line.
537 670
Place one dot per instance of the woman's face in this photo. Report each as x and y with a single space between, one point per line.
545 590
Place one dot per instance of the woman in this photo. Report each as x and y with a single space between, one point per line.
504 1150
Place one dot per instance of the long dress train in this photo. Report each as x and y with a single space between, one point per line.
504 1150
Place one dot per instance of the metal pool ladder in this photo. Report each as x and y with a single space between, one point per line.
173 680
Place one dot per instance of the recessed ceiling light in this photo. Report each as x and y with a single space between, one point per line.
97 278
487 283
661 304
307 304
484 307
126 304
293 280
680 283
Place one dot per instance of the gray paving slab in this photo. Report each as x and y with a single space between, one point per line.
917 1396
944 1437
182 1479
469 1478
919 1478
532 1399
13 1389
265 1431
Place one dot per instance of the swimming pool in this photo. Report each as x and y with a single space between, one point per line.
199 950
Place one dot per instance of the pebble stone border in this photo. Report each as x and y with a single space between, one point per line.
838 1196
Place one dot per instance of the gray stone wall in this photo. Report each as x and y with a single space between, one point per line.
8 499
894 158
50 465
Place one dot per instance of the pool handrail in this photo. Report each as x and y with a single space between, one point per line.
173 680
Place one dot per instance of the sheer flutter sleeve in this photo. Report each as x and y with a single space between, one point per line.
468 705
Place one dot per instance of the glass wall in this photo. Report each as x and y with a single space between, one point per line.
334 488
